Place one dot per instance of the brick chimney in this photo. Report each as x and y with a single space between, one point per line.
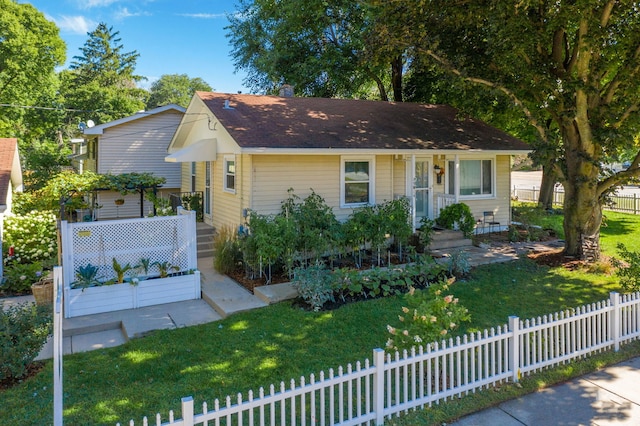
286 91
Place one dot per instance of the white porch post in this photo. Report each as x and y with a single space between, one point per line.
456 180
411 190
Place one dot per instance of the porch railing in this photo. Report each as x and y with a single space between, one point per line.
442 201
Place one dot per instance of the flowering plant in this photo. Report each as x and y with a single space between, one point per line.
429 315
19 277
32 235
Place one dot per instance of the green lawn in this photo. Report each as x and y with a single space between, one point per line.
280 342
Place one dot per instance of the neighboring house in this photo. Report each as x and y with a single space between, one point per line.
137 143
10 173
10 179
246 151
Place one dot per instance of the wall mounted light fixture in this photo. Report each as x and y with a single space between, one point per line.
439 173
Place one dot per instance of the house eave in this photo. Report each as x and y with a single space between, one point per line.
202 150
359 151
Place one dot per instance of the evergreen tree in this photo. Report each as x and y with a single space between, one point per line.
101 82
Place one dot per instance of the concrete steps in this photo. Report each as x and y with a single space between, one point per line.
204 239
446 239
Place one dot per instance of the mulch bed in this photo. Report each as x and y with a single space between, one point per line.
32 369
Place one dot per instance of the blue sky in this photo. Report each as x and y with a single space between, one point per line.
172 36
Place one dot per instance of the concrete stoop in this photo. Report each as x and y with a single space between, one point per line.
275 293
446 239
226 297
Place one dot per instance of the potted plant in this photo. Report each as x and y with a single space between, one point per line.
119 201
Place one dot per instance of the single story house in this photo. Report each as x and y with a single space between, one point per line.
245 151
137 143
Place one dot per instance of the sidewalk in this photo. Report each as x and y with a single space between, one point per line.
607 397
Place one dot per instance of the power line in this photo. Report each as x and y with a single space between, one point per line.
47 108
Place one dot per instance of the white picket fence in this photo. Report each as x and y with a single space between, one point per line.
618 203
391 385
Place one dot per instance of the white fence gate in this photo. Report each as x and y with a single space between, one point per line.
390 385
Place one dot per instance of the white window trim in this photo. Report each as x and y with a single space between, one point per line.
371 159
493 194
226 159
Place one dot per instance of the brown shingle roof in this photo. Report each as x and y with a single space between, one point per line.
7 152
276 122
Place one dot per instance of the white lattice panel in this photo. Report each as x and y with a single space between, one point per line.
160 239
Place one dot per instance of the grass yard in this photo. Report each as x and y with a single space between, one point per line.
280 342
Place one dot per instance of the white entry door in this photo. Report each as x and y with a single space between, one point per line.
421 190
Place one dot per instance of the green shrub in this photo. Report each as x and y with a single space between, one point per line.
226 250
32 235
429 316
460 214
628 269
313 285
23 331
459 264
348 283
18 277
425 232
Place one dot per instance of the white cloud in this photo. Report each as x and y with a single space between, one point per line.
125 13
204 15
74 24
88 4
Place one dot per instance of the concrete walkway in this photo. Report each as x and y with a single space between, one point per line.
607 397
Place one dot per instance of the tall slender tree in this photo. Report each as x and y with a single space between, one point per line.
101 82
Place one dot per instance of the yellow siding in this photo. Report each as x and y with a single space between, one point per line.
384 180
262 182
399 177
272 176
227 207
185 174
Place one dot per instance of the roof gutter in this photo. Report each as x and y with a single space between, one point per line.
346 151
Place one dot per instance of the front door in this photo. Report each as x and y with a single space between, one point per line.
421 191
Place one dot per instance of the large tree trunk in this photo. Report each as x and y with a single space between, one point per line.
582 205
396 78
547 186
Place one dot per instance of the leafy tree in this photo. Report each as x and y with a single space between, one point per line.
101 84
30 49
43 161
318 46
572 69
175 89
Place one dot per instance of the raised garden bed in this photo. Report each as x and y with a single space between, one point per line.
116 297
